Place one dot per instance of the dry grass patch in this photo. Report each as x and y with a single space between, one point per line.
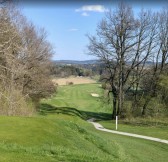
74 80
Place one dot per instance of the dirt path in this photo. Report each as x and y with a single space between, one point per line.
101 128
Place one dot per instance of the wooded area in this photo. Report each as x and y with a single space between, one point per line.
24 62
133 53
126 43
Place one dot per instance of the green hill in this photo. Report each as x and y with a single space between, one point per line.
60 133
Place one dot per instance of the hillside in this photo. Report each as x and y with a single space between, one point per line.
60 133
89 62
76 62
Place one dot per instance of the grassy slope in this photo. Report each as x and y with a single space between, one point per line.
61 134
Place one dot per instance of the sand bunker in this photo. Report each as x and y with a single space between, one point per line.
94 94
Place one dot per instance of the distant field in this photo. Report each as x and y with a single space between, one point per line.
75 80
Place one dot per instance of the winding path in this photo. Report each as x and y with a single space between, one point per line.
101 128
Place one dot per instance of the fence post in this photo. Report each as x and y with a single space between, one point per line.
116 122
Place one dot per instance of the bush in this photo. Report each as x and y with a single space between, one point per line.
13 103
69 83
155 108
104 85
126 111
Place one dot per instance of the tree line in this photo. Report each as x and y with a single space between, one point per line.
25 57
86 70
126 42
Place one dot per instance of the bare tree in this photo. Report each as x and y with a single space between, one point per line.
124 44
24 60
159 56
10 66
36 60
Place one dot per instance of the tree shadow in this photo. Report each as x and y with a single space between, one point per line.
85 115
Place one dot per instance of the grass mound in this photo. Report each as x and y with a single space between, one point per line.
64 137
60 133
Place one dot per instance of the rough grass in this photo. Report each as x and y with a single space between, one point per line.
60 133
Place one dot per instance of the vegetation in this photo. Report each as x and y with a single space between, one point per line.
24 62
67 69
73 79
125 44
59 133
149 126
79 97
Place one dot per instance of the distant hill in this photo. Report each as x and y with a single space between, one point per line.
88 62
75 62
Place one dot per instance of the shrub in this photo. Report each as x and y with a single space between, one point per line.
69 83
104 85
13 103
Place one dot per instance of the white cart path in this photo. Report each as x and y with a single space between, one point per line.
101 128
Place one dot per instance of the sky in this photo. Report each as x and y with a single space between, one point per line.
68 22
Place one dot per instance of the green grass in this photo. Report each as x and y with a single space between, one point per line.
79 97
153 129
60 133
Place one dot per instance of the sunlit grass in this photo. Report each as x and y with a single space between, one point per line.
59 132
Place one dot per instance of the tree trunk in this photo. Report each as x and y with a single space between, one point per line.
114 107
145 107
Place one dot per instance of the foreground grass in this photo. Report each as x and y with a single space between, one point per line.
69 138
60 133
50 139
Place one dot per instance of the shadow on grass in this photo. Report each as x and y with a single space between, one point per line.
85 115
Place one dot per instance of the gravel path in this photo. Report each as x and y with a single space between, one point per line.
101 128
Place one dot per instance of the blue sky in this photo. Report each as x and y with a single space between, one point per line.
68 23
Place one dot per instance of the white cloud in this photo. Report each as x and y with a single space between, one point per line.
85 14
72 29
95 8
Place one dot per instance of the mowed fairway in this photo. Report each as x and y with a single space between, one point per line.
60 132
80 97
